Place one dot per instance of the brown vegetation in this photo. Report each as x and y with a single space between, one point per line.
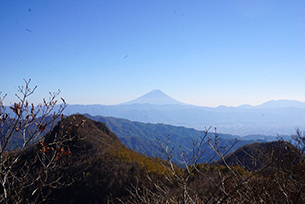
79 160
274 173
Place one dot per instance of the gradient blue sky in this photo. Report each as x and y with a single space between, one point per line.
205 53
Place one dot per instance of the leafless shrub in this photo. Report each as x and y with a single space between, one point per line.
31 162
277 176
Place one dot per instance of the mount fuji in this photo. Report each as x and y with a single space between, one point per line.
155 97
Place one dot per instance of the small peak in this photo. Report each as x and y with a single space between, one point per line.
155 90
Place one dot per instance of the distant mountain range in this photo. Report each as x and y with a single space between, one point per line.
271 118
278 104
157 97
142 137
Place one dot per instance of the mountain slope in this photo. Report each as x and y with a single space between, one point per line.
257 155
111 171
142 137
98 166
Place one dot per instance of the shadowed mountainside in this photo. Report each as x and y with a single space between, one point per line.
254 156
99 165
142 137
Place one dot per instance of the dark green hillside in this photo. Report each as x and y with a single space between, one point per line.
142 137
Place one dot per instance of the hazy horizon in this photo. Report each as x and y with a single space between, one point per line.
204 53
7 103
124 102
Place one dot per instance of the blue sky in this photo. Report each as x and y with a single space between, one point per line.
205 53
